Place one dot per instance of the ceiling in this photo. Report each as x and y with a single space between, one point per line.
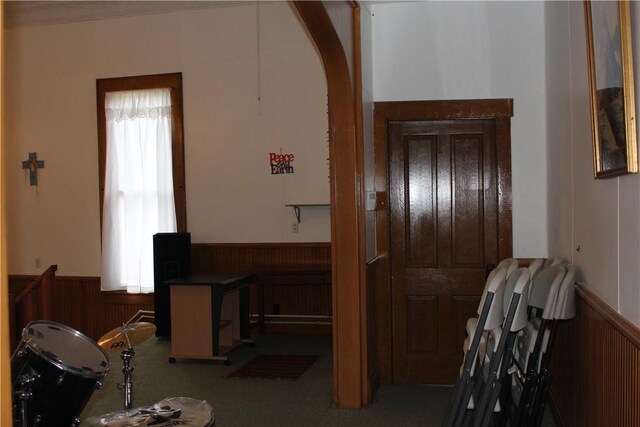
22 13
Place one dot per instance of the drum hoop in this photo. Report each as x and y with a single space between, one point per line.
83 372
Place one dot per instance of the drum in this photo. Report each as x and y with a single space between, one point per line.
172 411
61 368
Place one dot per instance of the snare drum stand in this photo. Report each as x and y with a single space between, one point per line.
127 370
24 393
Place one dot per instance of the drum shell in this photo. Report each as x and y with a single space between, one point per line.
59 392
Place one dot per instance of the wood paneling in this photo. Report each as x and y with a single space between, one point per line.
312 300
79 304
375 275
116 308
596 368
237 257
275 265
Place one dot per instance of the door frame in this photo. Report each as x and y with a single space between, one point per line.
337 37
500 110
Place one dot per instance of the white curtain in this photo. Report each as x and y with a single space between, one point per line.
138 196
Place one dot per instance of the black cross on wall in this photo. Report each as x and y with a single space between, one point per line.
33 164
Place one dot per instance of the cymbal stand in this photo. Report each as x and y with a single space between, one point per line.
24 394
127 370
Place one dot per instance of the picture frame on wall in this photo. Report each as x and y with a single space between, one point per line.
611 90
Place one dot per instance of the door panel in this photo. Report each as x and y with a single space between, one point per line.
421 317
420 203
468 230
443 201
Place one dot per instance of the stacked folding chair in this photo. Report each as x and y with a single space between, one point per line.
487 349
550 262
499 354
534 267
551 299
489 310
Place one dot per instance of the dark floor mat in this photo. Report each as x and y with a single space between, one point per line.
275 366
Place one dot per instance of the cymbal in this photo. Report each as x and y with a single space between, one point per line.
127 336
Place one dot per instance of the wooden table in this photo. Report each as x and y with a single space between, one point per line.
209 315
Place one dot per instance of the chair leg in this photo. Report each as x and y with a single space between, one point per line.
540 399
496 358
523 410
460 398
497 391
541 402
506 403
464 414
458 392
469 415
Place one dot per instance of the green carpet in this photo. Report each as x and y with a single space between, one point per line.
239 402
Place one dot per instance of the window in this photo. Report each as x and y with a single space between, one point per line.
140 140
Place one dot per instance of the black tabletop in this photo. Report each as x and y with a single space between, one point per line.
209 279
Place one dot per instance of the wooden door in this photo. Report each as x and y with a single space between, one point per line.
443 201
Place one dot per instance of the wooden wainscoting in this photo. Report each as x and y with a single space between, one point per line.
234 257
304 303
292 303
79 304
377 275
119 307
596 368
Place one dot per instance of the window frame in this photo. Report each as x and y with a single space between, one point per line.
173 81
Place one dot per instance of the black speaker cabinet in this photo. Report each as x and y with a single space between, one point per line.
171 259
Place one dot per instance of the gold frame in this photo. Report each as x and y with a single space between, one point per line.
614 142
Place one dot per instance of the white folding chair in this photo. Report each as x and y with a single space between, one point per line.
534 267
500 342
566 305
510 264
564 309
531 341
550 262
490 312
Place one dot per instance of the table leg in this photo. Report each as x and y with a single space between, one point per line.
216 316
261 320
244 312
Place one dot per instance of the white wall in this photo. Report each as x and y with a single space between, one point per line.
472 50
366 41
601 217
559 159
231 195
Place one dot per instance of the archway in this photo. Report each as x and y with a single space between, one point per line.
347 234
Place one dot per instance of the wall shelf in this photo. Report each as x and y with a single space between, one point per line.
296 207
